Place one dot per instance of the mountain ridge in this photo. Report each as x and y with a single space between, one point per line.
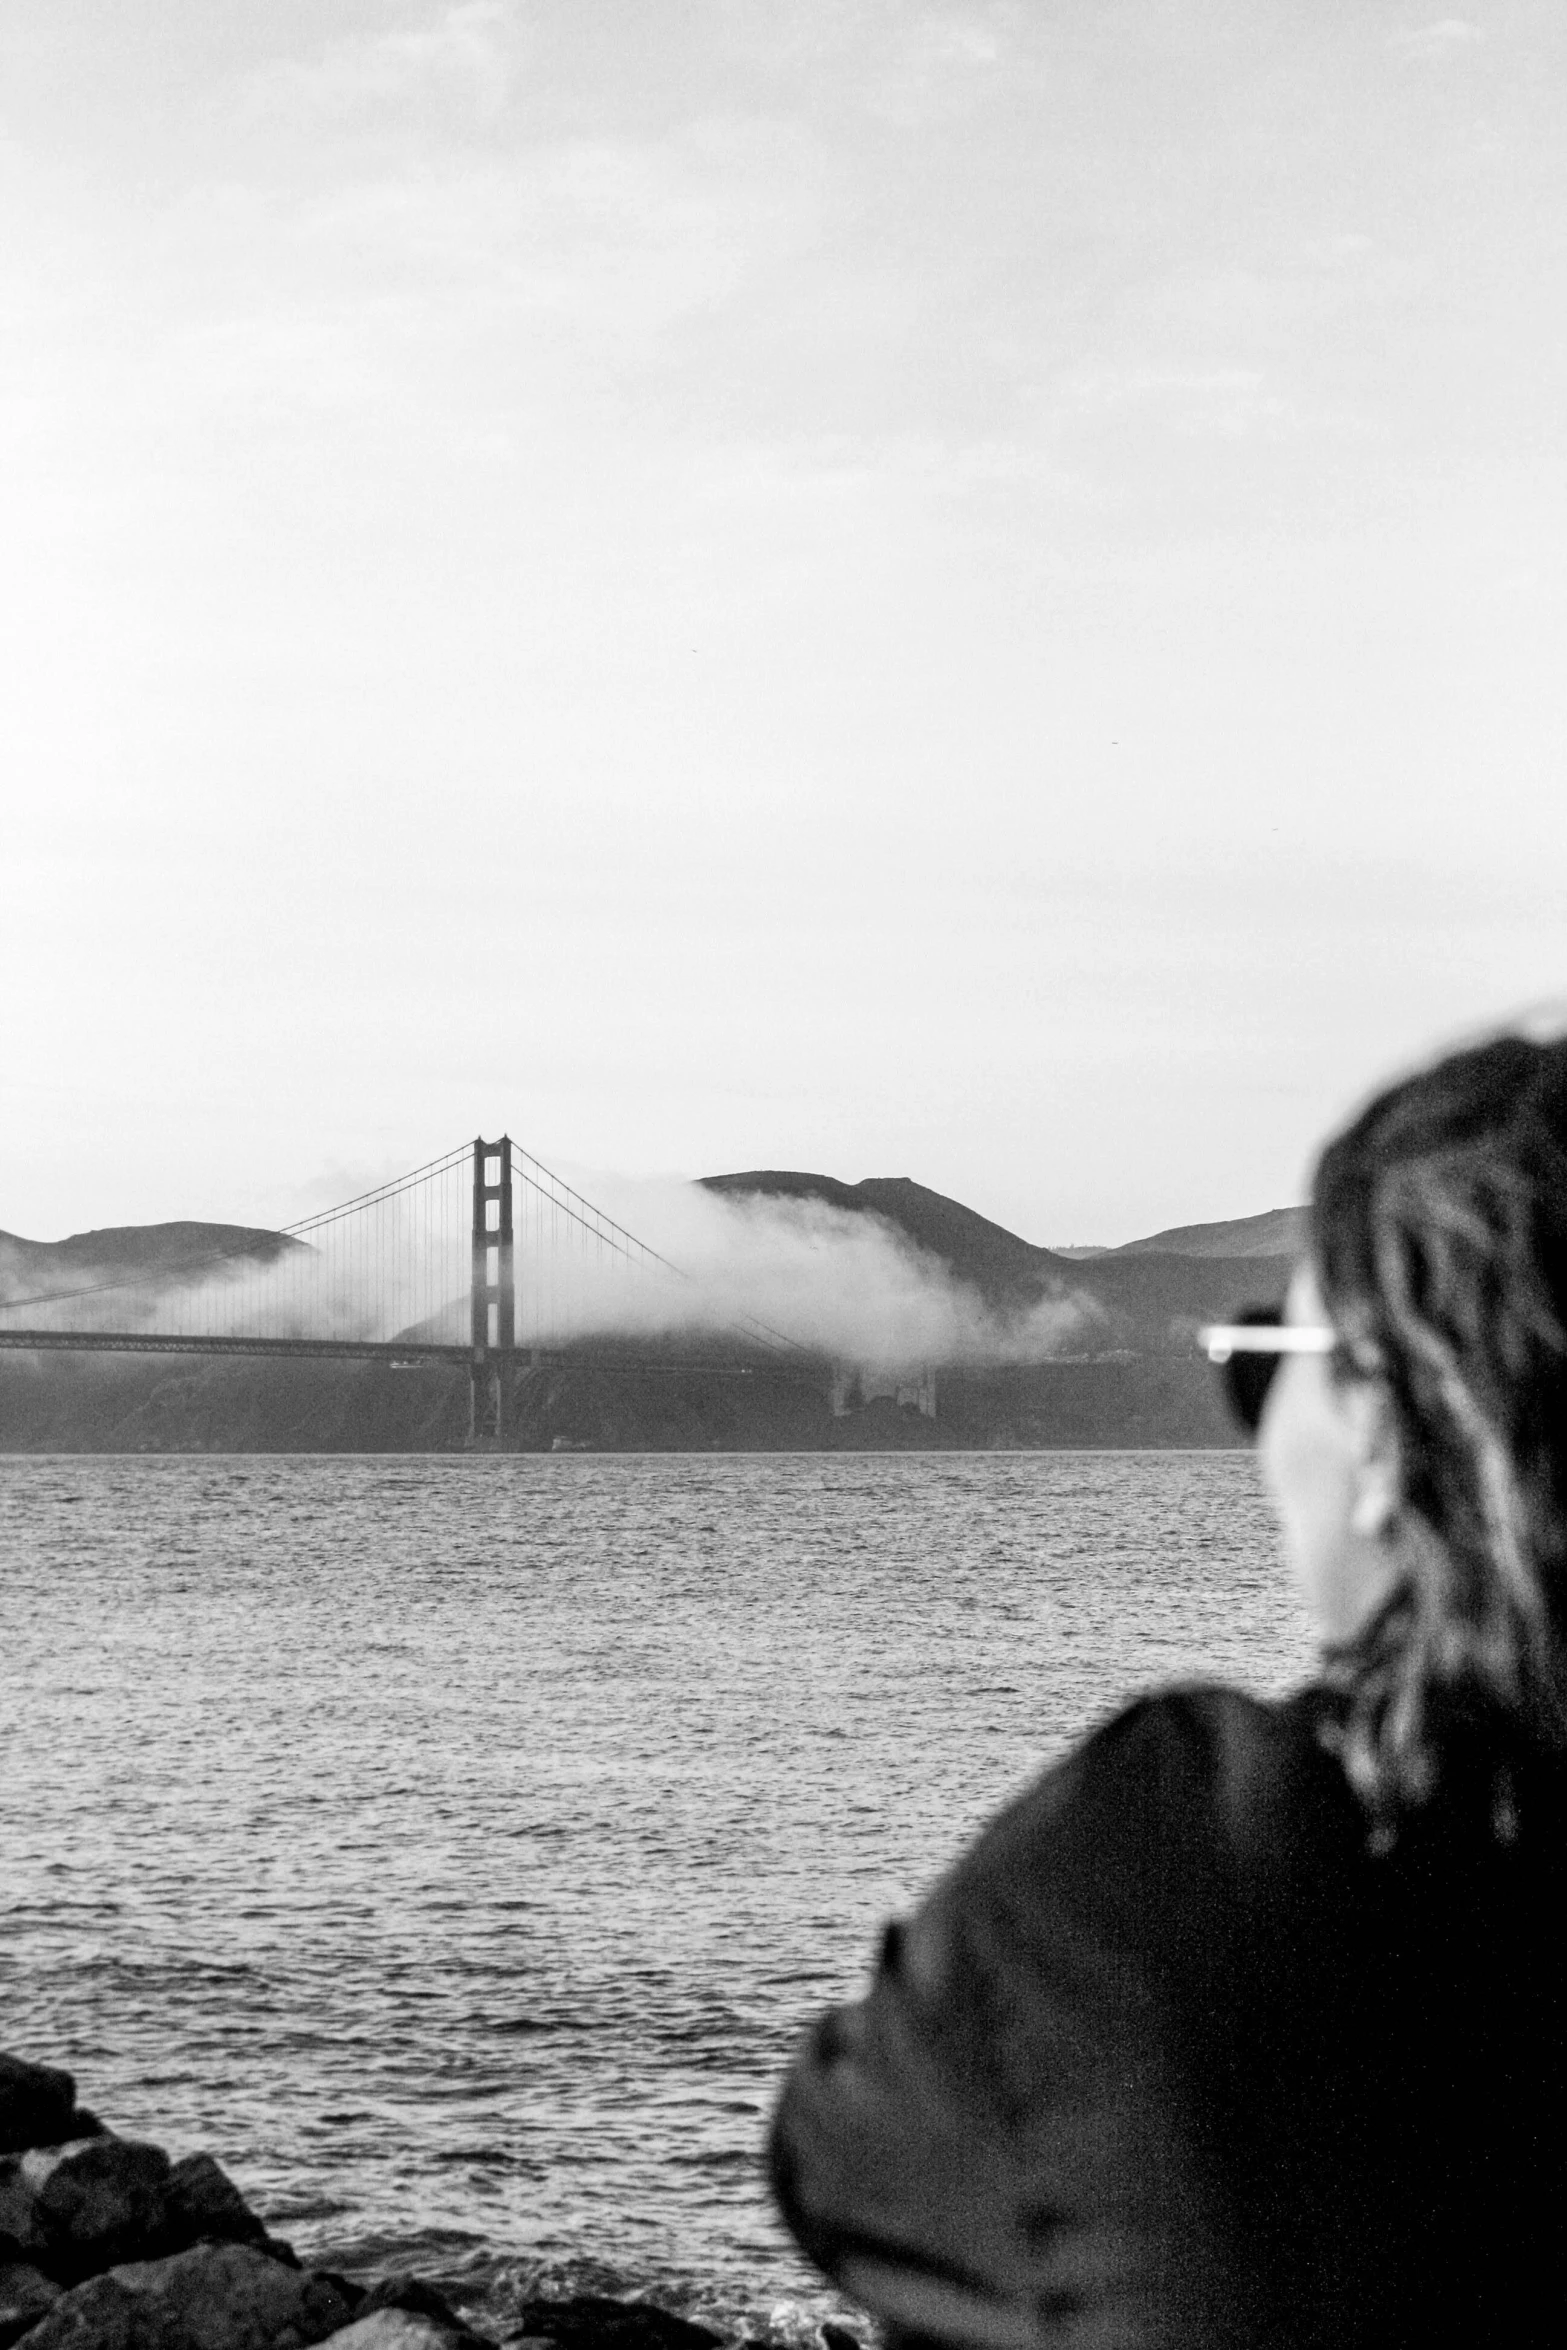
135 1252
1136 1379
993 1260
918 1210
1277 1232
946 1227
1150 1297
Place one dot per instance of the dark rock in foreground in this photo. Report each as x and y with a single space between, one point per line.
37 2106
591 2322
76 2209
91 2204
397 2329
203 2201
423 2315
26 2295
107 2245
213 2297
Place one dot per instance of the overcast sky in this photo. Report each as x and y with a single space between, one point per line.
968 591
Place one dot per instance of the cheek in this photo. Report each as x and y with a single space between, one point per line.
1305 1459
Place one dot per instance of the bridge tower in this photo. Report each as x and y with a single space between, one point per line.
494 1294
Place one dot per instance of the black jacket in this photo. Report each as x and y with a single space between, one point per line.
1172 2057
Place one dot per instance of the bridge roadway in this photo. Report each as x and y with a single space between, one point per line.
401 1355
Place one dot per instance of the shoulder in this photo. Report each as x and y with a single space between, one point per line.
1175 1809
1196 1751
1026 2097
1248 1775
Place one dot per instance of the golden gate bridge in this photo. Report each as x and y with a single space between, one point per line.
483 1256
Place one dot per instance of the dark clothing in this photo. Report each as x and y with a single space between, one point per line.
1172 2057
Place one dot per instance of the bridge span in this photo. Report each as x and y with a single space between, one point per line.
435 1253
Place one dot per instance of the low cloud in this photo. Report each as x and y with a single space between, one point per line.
749 1271
837 1282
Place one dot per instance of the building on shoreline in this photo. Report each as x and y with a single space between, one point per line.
911 1387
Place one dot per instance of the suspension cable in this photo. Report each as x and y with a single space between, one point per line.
242 1250
749 1325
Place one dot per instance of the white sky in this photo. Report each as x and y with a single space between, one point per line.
968 591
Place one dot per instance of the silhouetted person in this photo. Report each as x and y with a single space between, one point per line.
1245 2024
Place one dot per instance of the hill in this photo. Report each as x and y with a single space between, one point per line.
1278 1232
1135 1379
152 1253
1150 1298
1005 1270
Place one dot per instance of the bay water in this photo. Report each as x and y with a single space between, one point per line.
456 1846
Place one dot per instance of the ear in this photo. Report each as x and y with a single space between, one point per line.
1377 1461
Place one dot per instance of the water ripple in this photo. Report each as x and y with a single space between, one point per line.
457 1846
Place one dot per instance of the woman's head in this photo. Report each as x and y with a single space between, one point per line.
1439 1253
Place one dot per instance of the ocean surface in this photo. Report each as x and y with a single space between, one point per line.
455 1846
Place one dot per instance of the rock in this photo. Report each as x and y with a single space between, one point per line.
351 2295
590 2321
396 2329
411 2295
411 2298
25 2293
78 2208
37 2106
203 2202
213 2297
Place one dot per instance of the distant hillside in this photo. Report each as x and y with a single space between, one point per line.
1278 1232
1152 1299
1138 1379
152 1253
1004 1269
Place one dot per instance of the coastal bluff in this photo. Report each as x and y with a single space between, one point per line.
108 2244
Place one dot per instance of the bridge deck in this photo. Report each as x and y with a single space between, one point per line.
402 1353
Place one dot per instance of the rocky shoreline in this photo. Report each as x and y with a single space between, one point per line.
107 2244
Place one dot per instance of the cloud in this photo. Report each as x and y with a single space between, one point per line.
1437 42
840 1283
462 63
746 1270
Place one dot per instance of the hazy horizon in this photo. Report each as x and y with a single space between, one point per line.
624 1197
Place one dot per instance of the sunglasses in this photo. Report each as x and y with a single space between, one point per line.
1248 1352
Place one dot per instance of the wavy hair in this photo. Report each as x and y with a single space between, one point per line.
1439 1237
